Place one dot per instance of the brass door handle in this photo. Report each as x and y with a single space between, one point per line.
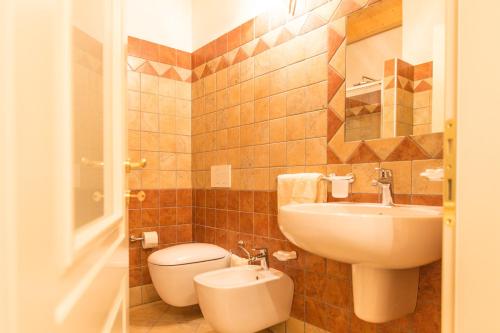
129 165
141 196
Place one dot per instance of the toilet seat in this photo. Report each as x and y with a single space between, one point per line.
172 270
184 254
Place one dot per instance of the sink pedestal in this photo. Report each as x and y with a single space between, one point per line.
381 295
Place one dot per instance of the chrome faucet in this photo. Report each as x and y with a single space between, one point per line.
263 257
386 185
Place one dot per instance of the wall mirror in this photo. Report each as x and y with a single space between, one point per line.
394 70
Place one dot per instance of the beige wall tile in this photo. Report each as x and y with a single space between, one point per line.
167 123
233 116
183 126
152 158
247 69
168 161
183 108
221 99
182 90
261 156
149 83
150 179
167 179
262 63
277 154
184 162
277 130
278 81
316 151
401 175
261 179
315 41
133 100
262 86
247 155
364 173
167 105
295 127
233 137
421 185
316 69
184 179
295 152
277 106
210 83
135 296
133 81
234 74
149 122
316 95
166 87
234 95
247 134
247 91
316 124
167 143
296 101
261 134
247 113
134 140
133 120
149 141
149 294
222 79
183 144
295 50
297 75
262 109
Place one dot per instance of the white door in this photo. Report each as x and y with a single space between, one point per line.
64 257
471 247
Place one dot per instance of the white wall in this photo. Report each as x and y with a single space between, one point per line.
212 18
189 24
166 22
367 56
419 19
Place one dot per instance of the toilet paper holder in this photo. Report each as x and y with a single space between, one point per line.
135 239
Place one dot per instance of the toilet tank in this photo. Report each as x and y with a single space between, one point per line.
172 270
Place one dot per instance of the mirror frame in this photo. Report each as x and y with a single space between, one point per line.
401 148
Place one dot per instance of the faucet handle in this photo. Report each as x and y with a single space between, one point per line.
262 250
384 173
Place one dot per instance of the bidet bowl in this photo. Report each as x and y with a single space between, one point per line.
244 299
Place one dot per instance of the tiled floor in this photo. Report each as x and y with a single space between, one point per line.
159 317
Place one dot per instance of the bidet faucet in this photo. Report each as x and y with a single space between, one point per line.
385 183
263 257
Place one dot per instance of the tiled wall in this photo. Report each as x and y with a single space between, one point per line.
268 98
263 95
363 113
407 98
159 125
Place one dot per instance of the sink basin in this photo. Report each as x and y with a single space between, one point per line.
385 244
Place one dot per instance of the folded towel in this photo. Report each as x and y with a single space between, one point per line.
301 188
238 261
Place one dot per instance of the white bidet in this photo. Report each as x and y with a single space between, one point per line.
244 299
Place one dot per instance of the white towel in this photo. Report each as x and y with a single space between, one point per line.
301 188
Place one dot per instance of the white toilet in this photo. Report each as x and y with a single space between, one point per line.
172 270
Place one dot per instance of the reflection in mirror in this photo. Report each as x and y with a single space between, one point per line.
393 49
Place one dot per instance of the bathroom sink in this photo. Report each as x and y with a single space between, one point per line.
385 245
399 236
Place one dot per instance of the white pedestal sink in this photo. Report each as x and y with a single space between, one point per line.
385 245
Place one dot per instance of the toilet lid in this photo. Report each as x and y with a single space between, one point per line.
187 254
